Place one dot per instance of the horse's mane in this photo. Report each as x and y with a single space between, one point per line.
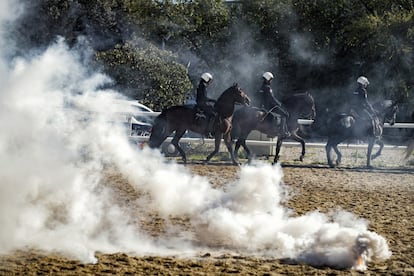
301 94
383 104
224 94
292 99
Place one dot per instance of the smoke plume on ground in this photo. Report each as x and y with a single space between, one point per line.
60 133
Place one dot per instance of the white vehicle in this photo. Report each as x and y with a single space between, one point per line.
136 116
140 107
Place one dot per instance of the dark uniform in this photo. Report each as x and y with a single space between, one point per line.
202 99
360 104
362 109
203 108
271 104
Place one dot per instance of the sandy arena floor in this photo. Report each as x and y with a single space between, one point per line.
384 196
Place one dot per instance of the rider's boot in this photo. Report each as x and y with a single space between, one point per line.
209 131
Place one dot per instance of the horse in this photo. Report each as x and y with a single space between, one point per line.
182 118
410 148
247 119
410 145
344 126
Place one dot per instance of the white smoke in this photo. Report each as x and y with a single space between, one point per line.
59 136
301 48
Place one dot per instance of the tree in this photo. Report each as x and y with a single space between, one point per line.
147 73
180 26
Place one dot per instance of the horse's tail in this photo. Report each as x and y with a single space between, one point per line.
409 149
159 131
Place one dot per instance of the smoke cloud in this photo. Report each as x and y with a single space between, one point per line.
59 138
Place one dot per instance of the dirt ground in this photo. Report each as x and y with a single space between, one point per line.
384 196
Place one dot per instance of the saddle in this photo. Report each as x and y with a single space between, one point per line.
277 122
272 116
201 116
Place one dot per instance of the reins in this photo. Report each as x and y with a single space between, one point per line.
267 113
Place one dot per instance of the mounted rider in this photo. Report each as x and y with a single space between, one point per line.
204 104
361 108
269 102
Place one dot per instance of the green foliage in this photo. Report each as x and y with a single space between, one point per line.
275 19
188 23
148 74
371 37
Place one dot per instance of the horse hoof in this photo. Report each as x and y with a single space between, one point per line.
301 159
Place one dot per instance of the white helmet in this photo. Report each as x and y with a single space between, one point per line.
207 77
363 81
268 76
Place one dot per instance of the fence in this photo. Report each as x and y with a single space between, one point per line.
271 143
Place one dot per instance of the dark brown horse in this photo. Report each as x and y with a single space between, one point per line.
182 118
247 119
342 127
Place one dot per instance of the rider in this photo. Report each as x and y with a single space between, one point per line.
269 102
360 102
205 110
360 107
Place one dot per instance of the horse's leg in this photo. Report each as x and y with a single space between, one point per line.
217 141
233 149
299 139
338 154
378 153
278 146
241 141
228 142
328 149
175 142
237 147
332 144
371 143
247 150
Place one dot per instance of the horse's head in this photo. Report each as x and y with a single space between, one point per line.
311 103
390 114
388 109
239 95
301 105
231 96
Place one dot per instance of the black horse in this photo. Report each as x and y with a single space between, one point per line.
410 148
410 145
247 119
343 126
182 118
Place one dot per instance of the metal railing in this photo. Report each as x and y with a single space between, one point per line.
271 142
